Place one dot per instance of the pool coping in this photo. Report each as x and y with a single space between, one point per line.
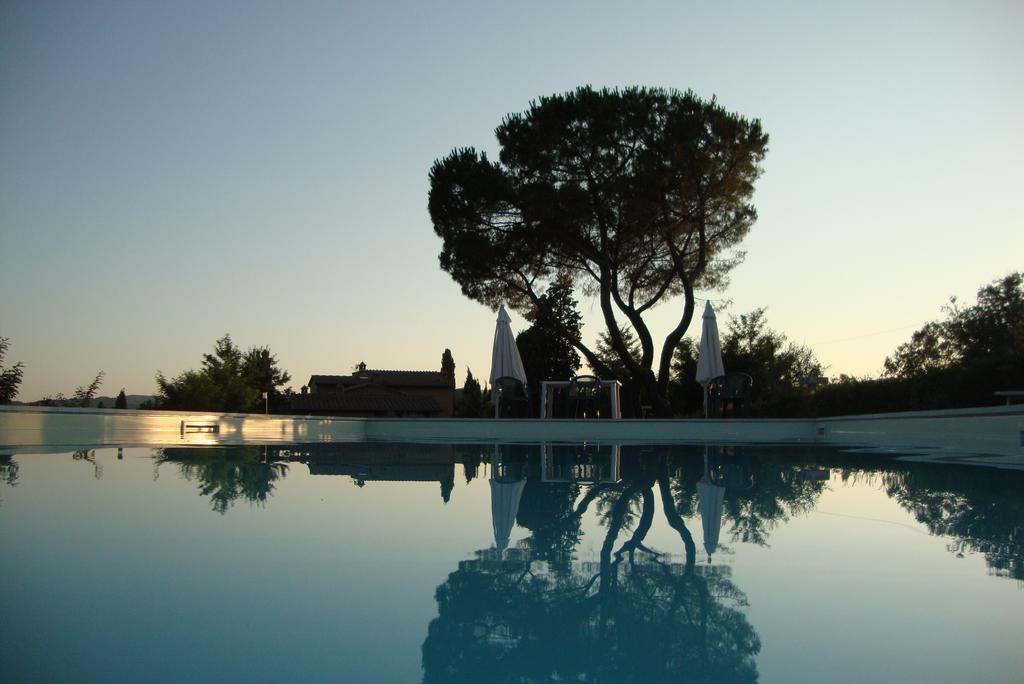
990 429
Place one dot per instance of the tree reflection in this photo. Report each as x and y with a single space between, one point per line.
89 455
763 487
981 509
535 613
8 470
227 474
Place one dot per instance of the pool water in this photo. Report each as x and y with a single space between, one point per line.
383 562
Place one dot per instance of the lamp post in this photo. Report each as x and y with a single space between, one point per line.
266 403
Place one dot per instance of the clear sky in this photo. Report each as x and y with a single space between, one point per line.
172 171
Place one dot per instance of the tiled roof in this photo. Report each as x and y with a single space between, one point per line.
389 377
363 403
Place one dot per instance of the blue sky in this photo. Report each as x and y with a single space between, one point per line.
170 172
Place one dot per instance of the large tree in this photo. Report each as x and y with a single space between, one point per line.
634 197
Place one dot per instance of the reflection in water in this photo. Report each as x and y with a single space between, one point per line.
535 613
748 490
580 562
367 462
8 470
979 515
227 474
89 455
744 492
981 510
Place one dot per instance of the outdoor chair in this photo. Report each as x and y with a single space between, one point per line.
584 397
513 402
731 390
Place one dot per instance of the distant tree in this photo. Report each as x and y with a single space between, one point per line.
84 395
229 380
225 368
57 399
991 330
684 393
448 364
471 401
122 400
190 390
616 368
10 378
634 196
548 346
778 367
261 372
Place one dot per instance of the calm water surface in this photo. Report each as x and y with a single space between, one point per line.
485 563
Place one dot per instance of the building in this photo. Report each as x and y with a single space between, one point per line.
370 393
369 462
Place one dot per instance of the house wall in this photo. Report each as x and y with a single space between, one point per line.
444 396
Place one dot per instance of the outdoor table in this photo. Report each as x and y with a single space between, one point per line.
547 387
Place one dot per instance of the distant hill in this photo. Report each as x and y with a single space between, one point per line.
133 400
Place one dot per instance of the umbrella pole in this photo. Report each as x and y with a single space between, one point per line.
705 401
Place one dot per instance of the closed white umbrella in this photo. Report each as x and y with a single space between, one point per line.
505 359
711 498
709 356
505 494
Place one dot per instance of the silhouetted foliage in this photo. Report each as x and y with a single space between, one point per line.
615 367
954 363
470 401
10 378
991 329
228 380
86 393
547 347
631 398
448 363
261 372
684 393
779 367
122 400
634 196
82 397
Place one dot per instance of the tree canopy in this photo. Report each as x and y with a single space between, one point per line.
10 378
780 368
632 196
228 380
991 329
548 346
472 401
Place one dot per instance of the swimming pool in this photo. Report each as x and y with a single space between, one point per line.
494 561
